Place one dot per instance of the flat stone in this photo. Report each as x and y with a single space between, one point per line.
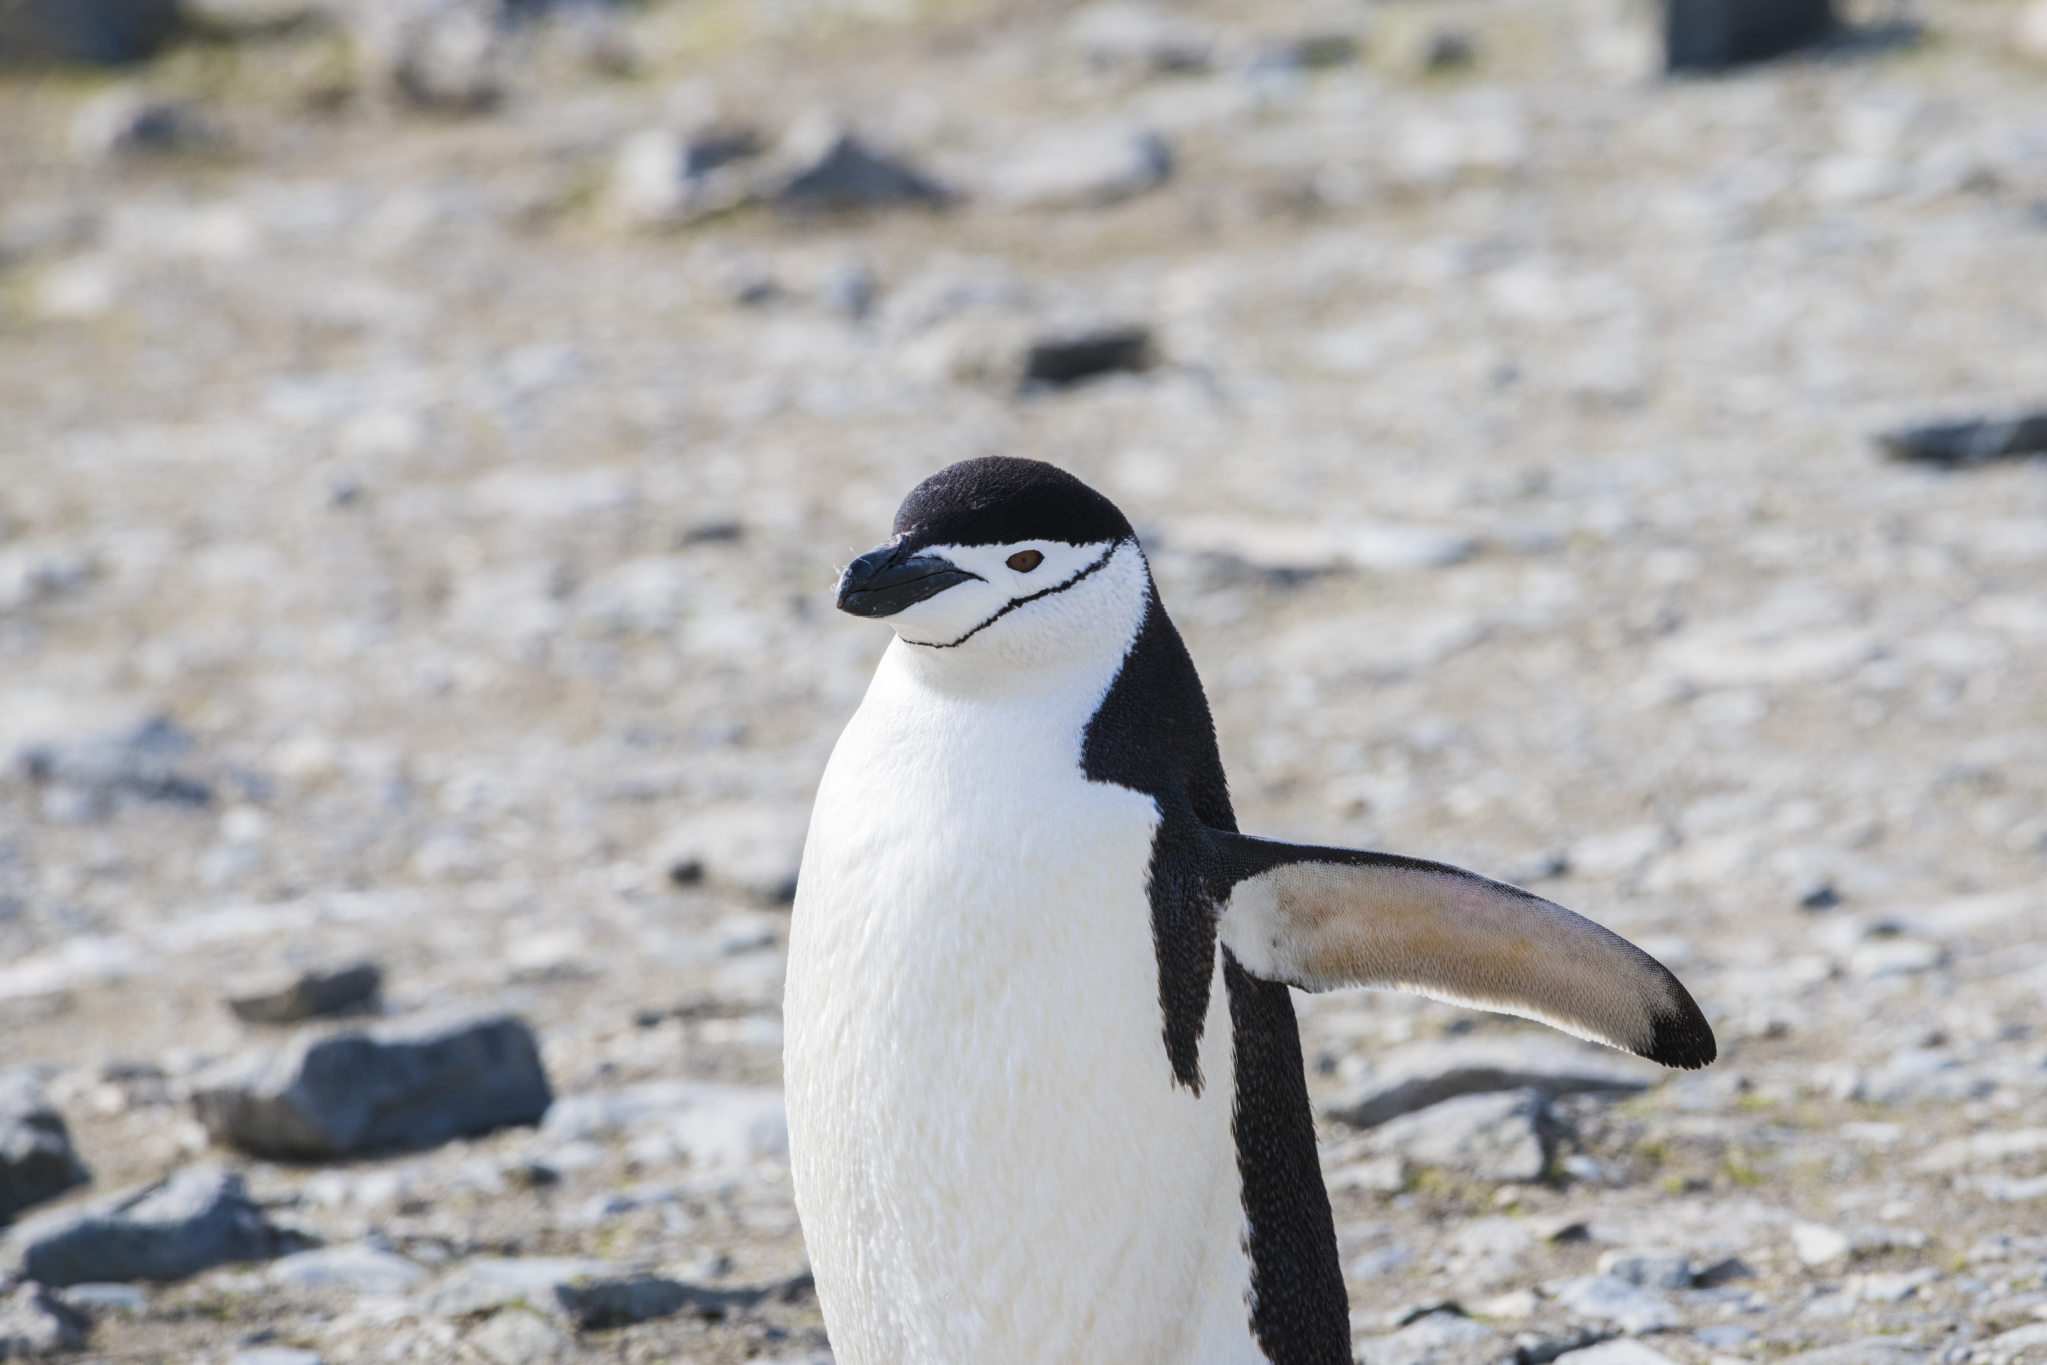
112 1298
714 1125
1420 1339
36 1322
364 1269
1531 1348
484 1286
588 1294
1083 167
1422 1074
1707 35
36 1158
307 994
1509 1136
1648 1269
1622 1352
1959 445
1626 1306
198 1218
405 1087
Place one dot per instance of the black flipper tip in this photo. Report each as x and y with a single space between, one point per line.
1683 1038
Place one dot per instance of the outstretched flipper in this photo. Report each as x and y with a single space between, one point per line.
1324 918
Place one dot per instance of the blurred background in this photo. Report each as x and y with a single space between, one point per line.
1592 442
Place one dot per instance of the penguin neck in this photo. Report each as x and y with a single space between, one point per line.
1060 652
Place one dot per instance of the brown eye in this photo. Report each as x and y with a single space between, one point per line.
1023 561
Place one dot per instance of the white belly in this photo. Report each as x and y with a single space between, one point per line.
991 1160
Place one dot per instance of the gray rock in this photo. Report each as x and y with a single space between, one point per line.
35 1322
406 1087
364 1269
1892 1351
1958 445
138 761
666 175
1648 1269
1617 1353
1083 167
714 1125
1421 1339
306 995
1707 35
618 1301
828 170
275 1355
198 1218
1627 1306
1070 357
1506 1136
1532 1348
99 32
36 1158
1423 1074
484 1286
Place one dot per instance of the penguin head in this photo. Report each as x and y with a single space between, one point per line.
1006 556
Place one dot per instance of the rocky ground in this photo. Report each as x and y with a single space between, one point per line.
423 481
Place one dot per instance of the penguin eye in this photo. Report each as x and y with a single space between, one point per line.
1023 561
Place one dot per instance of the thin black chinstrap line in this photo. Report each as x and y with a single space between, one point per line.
1107 555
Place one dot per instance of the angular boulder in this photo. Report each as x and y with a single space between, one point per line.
36 1159
195 1219
401 1088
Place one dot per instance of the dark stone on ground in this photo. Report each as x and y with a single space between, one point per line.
197 1218
1530 1349
312 993
403 1088
36 1158
851 175
95 32
1710 35
1958 445
1068 359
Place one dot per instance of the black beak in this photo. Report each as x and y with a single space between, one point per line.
885 580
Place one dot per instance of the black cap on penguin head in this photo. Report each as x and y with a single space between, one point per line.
997 500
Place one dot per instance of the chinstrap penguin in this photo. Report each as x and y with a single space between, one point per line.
1045 1091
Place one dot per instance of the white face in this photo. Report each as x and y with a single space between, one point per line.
1028 576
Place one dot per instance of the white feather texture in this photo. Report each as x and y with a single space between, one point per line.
991 1160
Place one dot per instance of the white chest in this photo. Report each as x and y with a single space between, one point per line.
992 1162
